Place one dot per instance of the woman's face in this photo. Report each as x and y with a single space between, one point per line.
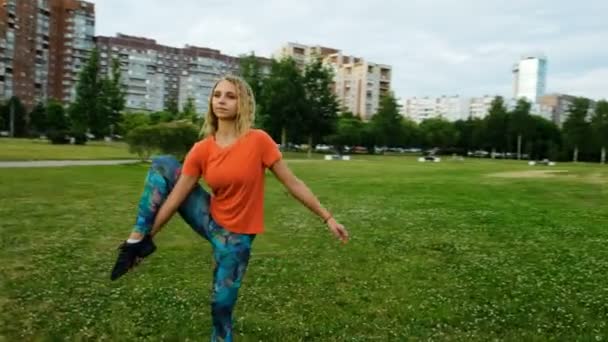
225 101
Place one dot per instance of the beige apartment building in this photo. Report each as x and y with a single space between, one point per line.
557 105
358 84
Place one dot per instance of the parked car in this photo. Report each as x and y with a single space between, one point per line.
429 158
544 162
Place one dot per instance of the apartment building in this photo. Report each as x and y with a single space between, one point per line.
451 108
43 43
72 39
18 34
358 84
202 68
558 106
153 74
420 108
480 106
150 72
303 54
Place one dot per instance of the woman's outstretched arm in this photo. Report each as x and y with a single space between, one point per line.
302 193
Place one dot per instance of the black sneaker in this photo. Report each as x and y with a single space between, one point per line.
131 254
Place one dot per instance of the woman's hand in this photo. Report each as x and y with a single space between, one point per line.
338 230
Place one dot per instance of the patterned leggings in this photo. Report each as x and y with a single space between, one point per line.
230 250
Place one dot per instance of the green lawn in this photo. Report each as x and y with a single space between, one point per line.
36 149
455 251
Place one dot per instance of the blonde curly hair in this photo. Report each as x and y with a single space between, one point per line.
245 115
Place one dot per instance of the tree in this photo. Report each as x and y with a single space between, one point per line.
369 137
114 95
130 121
321 114
470 134
349 132
85 112
284 101
99 99
576 128
519 123
38 119
189 111
387 122
251 73
171 110
56 116
543 138
410 134
438 132
496 126
162 116
599 127
19 123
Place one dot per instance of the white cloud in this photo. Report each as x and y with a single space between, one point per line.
592 83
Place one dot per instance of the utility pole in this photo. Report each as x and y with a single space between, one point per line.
518 146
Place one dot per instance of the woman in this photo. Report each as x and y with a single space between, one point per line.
231 159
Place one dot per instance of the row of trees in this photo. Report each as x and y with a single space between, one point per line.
292 104
584 134
298 106
97 109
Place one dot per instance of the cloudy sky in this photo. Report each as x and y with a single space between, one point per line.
435 47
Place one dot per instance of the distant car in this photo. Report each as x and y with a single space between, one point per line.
323 148
433 159
478 154
544 162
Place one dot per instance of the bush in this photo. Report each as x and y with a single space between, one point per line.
59 136
175 138
64 136
79 138
131 121
141 141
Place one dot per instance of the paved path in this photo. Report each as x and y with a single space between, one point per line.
59 163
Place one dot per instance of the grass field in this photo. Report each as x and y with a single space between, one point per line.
455 251
36 149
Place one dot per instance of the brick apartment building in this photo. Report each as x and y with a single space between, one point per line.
43 44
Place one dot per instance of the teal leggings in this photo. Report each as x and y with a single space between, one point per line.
230 250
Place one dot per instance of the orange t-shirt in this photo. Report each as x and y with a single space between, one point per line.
235 174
